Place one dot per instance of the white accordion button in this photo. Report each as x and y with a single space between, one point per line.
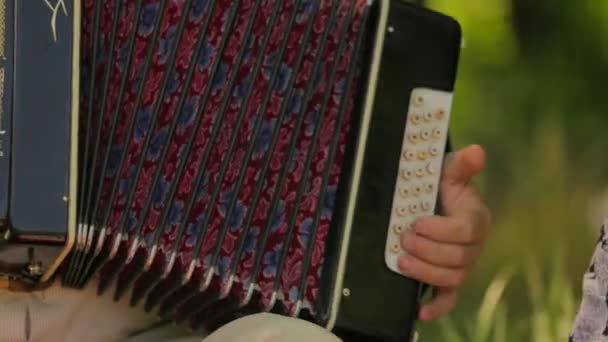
407 174
395 248
414 208
425 134
401 211
409 154
399 228
415 118
414 137
417 190
428 116
437 133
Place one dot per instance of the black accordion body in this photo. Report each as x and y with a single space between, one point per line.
211 159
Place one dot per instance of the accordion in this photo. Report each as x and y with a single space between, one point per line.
211 159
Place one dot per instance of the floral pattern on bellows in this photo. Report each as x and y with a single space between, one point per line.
122 92
223 148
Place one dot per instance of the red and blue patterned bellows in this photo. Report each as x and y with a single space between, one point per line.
215 134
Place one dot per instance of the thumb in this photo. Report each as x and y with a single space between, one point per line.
461 166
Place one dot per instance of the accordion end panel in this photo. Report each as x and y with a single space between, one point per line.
39 137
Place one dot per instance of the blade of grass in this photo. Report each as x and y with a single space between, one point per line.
449 332
490 303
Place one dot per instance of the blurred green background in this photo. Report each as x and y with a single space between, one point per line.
531 89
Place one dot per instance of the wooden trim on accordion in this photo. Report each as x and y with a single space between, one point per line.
74 123
383 12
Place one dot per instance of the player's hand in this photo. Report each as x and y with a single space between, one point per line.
443 249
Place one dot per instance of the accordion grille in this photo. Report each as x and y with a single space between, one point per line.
213 139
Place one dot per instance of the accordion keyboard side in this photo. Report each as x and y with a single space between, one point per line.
421 50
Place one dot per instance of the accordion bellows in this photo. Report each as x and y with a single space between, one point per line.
215 133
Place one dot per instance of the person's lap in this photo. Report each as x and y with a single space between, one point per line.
67 315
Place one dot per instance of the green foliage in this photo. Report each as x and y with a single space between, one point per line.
549 317
491 321
530 90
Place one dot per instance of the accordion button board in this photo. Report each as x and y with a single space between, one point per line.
417 183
